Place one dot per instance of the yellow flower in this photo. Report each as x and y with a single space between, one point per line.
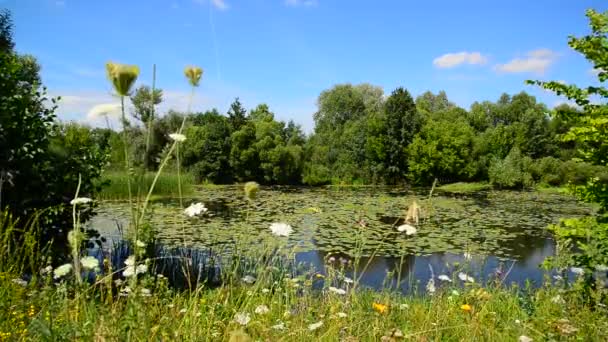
193 74
466 307
122 76
380 308
319 275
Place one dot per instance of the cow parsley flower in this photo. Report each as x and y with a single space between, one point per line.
444 277
337 290
89 263
315 326
262 310
62 271
80 200
466 278
242 318
177 137
249 279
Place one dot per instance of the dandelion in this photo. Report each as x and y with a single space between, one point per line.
80 200
177 137
430 286
444 277
281 229
466 307
262 310
380 308
248 279
62 271
89 263
195 209
524 338
251 190
122 76
409 230
315 326
342 315
242 318
466 278
193 74
337 290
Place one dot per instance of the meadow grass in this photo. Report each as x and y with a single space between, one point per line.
463 188
166 186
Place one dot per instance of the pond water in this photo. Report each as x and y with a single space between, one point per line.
483 233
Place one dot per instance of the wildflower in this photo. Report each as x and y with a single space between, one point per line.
279 326
348 280
251 190
337 290
242 318
517 321
262 309
455 293
315 326
19 282
409 230
146 293
557 300
577 270
404 306
430 286
122 76
331 259
466 278
466 307
342 315
140 244
248 279
380 308
125 292
524 338
601 268
62 271
558 277
195 209
183 311
177 137
89 263
46 270
80 200
265 290
193 74
468 256
444 277
319 275
281 229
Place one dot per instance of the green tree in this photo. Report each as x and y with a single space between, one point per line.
237 115
142 103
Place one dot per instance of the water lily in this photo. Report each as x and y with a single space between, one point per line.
409 230
62 271
315 326
80 200
177 137
466 278
242 318
193 74
89 263
281 229
337 290
445 277
195 209
262 310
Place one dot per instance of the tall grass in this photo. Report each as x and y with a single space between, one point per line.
166 185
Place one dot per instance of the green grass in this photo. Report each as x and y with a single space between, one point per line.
166 186
463 188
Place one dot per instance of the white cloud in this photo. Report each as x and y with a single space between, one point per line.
304 3
104 109
536 61
450 60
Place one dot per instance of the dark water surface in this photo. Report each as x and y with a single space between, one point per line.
485 235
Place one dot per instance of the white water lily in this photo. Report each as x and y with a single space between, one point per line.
262 310
430 286
337 290
242 318
577 270
62 271
177 137
315 326
89 263
466 278
409 230
195 209
80 200
281 229
248 279
445 277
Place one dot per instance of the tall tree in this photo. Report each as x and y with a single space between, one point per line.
142 103
237 115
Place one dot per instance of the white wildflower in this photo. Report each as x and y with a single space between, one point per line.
468 256
141 269
281 229
140 244
455 293
315 326
337 290
248 279
146 292
348 280
183 311
177 137
517 321
404 306
130 261
279 326
430 286
558 277
466 278
265 290
262 310
524 338
46 270
89 263
19 282
195 209
62 271
80 200
558 300
445 277
125 292
601 268
242 318
409 230
342 315
577 270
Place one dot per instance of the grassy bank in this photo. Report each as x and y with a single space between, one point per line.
166 185
464 188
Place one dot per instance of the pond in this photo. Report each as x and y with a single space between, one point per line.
482 233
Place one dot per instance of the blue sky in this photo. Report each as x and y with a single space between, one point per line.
285 52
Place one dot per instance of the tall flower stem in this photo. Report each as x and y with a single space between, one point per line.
125 138
76 233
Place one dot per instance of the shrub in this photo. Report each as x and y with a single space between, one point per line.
515 171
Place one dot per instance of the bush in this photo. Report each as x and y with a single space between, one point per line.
515 171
